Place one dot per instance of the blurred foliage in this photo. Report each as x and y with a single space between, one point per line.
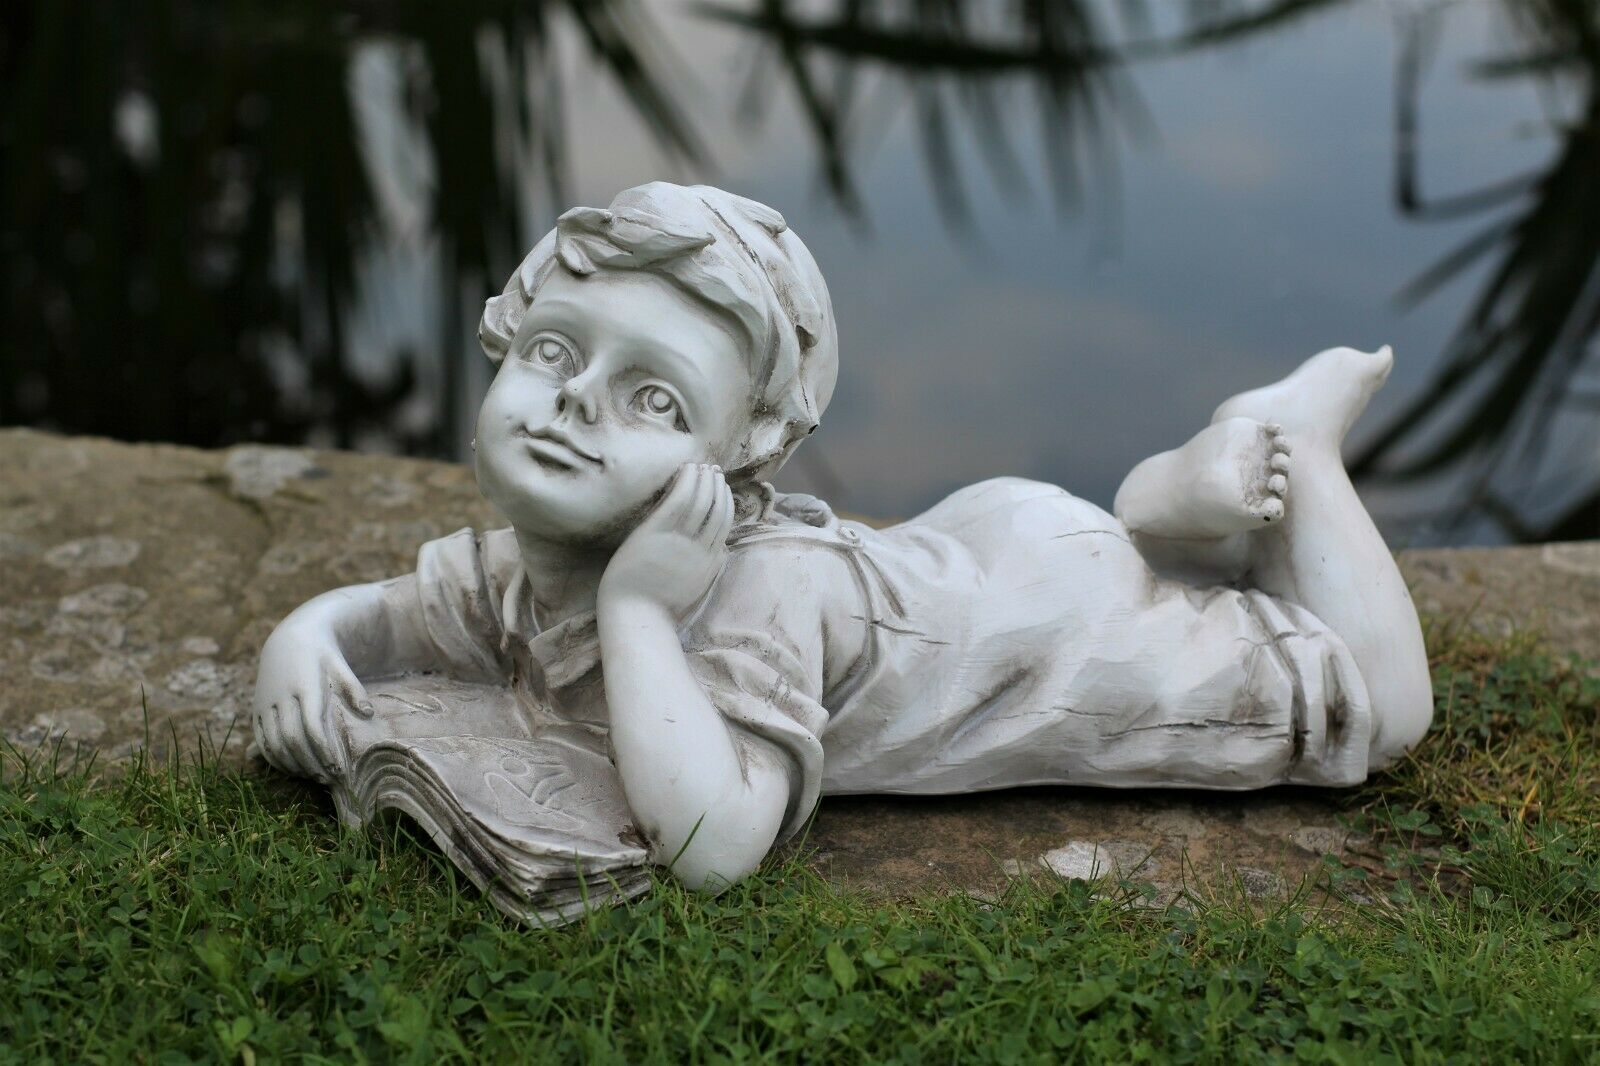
1531 332
184 201
1487 418
192 196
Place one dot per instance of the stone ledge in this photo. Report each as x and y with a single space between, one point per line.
154 568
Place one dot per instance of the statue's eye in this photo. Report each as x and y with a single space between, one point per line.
657 401
551 352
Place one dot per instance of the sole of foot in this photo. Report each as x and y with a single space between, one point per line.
1233 477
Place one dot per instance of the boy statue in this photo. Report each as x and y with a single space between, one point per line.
736 653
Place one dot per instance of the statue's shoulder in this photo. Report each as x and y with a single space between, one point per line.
468 560
786 520
795 561
468 543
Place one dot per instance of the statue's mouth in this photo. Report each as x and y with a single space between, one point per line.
551 449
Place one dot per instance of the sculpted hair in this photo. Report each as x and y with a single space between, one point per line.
734 254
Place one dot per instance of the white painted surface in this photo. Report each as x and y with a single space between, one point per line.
1238 623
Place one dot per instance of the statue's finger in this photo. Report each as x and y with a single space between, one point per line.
261 738
713 491
296 748
348 686
269 733
323 731
675 505
724 511
704 496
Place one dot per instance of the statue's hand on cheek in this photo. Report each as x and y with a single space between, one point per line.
672 557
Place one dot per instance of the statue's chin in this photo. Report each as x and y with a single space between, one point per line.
526 494
581 510
568 518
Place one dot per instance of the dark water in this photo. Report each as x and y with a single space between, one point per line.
1057 232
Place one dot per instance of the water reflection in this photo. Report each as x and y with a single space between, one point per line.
1488 418
1507 385
194 192
957 62
234 221
953 61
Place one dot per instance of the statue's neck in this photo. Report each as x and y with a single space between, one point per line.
564 578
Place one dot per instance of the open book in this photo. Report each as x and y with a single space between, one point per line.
530 808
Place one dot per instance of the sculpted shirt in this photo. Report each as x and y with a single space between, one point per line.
1011 635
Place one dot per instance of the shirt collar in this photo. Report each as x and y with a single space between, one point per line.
566 652
569 650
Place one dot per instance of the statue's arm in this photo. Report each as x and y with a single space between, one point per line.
378 628
706 811
318 655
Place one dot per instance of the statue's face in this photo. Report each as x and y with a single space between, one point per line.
612 383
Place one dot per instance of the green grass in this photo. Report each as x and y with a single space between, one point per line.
178 913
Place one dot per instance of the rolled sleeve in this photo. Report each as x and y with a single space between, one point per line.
758 655
760 704
461 580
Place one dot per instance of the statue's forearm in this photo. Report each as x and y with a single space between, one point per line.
680 770
377 627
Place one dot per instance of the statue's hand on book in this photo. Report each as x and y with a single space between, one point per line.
302 677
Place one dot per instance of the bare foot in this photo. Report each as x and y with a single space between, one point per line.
1321 399
1231 477
1321 551
1328 557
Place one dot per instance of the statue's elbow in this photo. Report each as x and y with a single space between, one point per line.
715 870
726 840
717 854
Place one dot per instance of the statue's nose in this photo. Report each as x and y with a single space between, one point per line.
577 393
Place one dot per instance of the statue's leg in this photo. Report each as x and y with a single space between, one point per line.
1326 555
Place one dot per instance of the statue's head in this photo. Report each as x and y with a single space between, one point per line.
678 325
